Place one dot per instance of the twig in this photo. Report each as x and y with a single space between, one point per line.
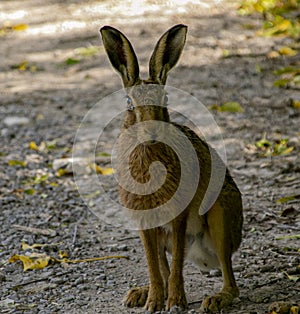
36 280
74 235
46 232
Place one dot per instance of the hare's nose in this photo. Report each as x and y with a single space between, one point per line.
153 137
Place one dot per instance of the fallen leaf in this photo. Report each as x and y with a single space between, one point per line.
15 162
62 172
281 82
100 170
19 27
32 145
287 51
287 199
41 260
292 277
273 54
71 61
87 51
29 191
33 261
294 236
230 106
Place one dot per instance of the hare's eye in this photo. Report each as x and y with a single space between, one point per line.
130 105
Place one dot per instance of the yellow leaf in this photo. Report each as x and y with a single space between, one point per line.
287 51
62 172
32 145
33 261
17 163
26 246
273 54
63 254
22 66
19 27
103 171
294 309
231 106
296 103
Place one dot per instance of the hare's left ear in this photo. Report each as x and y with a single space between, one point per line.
166 53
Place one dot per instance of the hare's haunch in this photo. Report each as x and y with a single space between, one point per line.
151 180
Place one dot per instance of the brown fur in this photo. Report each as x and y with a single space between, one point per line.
209 240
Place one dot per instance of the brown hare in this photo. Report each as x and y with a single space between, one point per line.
208 239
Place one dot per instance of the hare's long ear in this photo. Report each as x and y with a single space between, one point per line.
166 53
121 55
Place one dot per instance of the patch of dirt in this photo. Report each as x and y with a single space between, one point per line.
38 84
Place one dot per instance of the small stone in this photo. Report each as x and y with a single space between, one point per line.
11 121
2 277
123 247
79 281
110 283
215 272
175 310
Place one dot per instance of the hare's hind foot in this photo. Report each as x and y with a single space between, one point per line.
215 303
136 297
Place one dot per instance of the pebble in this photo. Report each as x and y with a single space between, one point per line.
2 277
123 247
67 299
111 283
14 120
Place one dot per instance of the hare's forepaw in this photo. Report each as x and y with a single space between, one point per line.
136 297
155 300
214 304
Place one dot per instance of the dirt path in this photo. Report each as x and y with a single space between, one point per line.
50 84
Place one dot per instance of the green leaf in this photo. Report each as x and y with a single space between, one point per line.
87 51
294 236
230 106
287 199
29 191
17 163
71 61
281 83
103 154
263 143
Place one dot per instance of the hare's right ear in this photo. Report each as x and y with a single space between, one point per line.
121 55
166 53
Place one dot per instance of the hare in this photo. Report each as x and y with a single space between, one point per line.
208 239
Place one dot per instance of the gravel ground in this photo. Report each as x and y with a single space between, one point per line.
224 60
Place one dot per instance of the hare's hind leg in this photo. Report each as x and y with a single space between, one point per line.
221 236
